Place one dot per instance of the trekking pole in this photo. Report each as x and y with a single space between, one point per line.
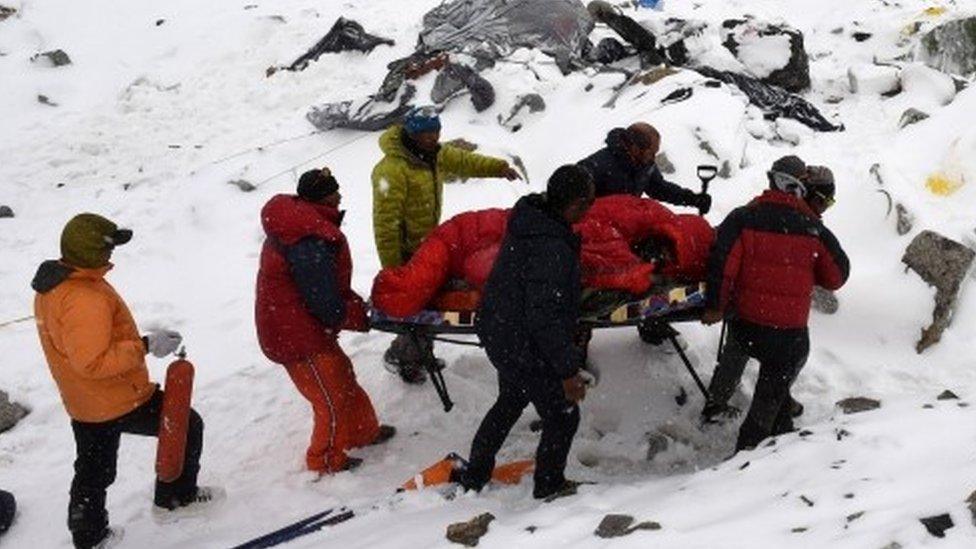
673 337
16 321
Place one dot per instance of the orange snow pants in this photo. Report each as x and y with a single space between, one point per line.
344 415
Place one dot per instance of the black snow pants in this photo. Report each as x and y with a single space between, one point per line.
95 465
781 355
560 418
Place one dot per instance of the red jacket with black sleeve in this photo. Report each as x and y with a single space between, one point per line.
766 259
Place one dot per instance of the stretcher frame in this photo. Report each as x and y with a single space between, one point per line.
663 306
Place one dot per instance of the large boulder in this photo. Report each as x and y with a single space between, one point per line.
943 263
774 53
951 47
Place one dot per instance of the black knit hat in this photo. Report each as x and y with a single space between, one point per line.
314 185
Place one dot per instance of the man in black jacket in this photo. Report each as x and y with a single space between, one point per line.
626 166
527 323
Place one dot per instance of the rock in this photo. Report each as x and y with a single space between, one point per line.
947 395
854 516
943 263
616 526
469 533
6 212
938 524
664 163
861 36
159 22
929 83
911 116
906 221
825 301
866 79
243 185
971 504
6 12
725 170
951 47
10 412
893 545
774 53
525 105
56 58
857 404
656 444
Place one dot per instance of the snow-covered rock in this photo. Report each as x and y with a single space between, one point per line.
927 85
774 53
951 47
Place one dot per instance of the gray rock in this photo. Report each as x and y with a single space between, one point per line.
906 221
10 412
943 263
616 526
6 12
243 185
911 116
469 533
664 163
6 211
938 524
858 404
951 47
825 301
947 395
57 58
45 100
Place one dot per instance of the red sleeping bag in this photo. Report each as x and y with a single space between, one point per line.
464 247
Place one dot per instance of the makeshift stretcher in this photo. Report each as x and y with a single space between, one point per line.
665 305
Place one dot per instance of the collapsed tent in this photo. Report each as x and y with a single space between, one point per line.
773 101
628 244
491 29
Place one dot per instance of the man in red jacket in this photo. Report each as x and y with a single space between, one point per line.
766 259
304 300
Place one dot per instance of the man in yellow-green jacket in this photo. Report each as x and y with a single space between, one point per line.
408 186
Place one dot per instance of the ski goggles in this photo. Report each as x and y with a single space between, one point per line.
827 200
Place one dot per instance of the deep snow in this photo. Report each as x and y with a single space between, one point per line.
146 113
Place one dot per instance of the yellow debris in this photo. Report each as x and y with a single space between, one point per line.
942 185
935 11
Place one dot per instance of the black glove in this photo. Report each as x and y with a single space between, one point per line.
703 202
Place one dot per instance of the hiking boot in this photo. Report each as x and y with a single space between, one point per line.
566 489
205 499
715 413
796 409
113 537
410 372
385 433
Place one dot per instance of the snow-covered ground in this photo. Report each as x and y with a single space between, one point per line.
149 112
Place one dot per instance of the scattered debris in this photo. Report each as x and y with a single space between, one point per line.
947 395
6 12
159 22
928 406
345 35
805 433
938 524
682 397
943 263
469 533
6 212
855 405
861 36
45 100
615 526
56 58
854 516
911 116
657 443
454 78
532 102
243 185
10 412
971 503
807 500
906 221
799 529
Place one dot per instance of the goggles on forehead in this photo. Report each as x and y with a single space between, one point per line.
789 184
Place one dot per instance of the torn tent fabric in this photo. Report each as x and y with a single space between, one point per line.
464 249
345 35
773 101
494 28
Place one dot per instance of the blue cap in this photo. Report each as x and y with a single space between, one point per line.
422 120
